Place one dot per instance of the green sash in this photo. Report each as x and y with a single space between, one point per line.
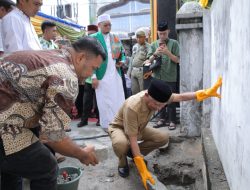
117 50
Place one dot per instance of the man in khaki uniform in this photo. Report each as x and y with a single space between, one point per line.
129 125
139 55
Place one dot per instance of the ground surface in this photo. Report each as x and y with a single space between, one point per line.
178 167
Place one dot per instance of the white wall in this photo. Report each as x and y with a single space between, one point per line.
230 57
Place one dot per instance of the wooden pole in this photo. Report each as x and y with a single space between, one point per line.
153 12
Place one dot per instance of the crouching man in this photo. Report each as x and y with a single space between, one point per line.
129 125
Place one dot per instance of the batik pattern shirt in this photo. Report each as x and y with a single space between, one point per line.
47 44
37 88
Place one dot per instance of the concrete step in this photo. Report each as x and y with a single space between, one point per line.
214 172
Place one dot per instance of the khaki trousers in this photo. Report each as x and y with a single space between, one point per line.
137 80
151 139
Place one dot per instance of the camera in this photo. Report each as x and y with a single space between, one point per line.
156 63
162 44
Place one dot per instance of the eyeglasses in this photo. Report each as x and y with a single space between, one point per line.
106 25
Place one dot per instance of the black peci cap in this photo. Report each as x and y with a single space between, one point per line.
162 26
159 90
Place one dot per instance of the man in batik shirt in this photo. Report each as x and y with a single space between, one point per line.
38 88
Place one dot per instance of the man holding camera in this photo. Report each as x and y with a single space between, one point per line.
167 50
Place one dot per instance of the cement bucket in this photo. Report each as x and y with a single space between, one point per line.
69 185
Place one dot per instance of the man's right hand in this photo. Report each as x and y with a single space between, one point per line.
143 170
95 83
158 51
88 156
68 148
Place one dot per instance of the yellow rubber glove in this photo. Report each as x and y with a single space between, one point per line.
203 3
142 168
210 92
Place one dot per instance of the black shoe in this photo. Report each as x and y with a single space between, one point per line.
123 171
82 124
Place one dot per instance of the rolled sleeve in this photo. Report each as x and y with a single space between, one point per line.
176 49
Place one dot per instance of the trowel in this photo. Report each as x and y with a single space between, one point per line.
150 186
157 186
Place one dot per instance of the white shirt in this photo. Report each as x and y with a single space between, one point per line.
18 32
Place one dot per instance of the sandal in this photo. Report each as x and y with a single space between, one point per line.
160 123
172 126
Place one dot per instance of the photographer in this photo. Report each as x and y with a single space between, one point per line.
166 53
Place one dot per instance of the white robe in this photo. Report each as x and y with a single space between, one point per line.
1 41
109 93
18 33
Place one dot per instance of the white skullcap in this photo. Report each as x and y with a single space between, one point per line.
102 18
144 29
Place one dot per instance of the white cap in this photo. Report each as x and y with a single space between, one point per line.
102 18
144 29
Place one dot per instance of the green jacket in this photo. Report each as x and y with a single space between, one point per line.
118 53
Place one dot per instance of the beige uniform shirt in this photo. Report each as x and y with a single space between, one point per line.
133 116
139 54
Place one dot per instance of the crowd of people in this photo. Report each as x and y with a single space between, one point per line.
42 79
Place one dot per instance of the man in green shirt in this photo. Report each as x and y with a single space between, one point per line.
167 50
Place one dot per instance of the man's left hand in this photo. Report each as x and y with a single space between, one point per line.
210 92
164 51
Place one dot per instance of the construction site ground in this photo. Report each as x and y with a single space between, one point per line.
179 166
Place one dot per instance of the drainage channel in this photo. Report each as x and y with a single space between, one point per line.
179 166
181 178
